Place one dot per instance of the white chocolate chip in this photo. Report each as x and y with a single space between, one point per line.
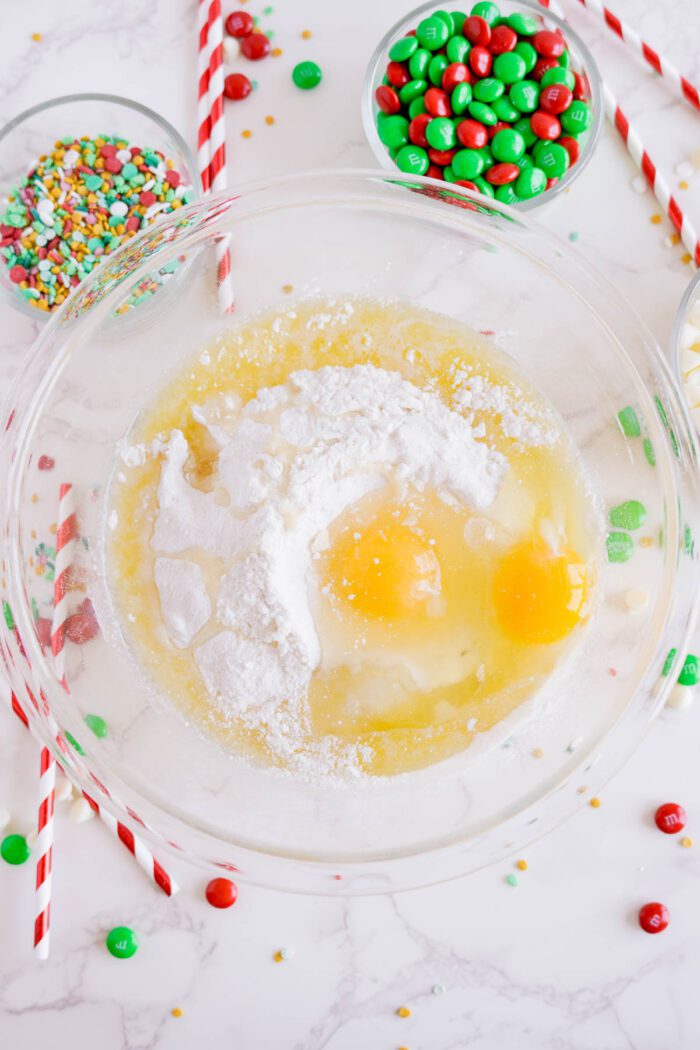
80 811
684 169
636 599
680 697
64 789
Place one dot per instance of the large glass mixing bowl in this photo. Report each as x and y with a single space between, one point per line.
93 369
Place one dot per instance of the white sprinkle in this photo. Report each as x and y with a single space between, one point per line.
124 155
232 49
636 599
80 811
286 953
680 697
471 725
639 184
438 989
684 169
70 157
576 742
118 208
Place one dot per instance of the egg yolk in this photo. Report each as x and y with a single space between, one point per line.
540 595
385 570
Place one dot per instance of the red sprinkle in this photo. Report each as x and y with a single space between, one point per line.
501 174
255 46
237 86
548 44
472 134
172 177
545 125
112 164
556 98
108 150
221 893
670 818
480 60
18 274
477 30
239 24
437 102
503 39
46 463
133 223
654 917
397 74
147 198
387 99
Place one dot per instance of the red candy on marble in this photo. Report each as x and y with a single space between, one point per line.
239 24
255 46
237 86
654 917
221 893
670 818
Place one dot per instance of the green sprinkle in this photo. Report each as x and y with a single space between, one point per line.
9 618
620 547
690 675
74 743
628 421
629 515
93 182
688 540
97 725
14 849
129 170
649 452
122 942
307 75
512 880
268 10
573 236
669 661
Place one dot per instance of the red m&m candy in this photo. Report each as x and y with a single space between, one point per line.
437 102
670 818
387 99
455 74
481 61
545 125
255 46
239 24
654 917
221 893
503 39
542 65
501 174
416 130
548 44
555 98
472 134
397 74
477 30
237 86
572 148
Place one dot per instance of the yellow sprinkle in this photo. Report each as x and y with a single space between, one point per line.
36 37
595 803
655 220
403 1011
683 185
686 258
269 120
537 752
276 52
306 34
278 957
287 289
674 238
35 498
246 134
581 790
521 865
646 541
686 842
176 1011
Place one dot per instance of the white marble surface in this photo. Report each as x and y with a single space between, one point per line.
557 963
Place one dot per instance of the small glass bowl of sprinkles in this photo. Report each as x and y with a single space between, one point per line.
685 347
504 100
80 175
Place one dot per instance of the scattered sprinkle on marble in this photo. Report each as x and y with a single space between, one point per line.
64 790
521 865
680 697
646 541
269 120
176 1012
276 52
639 184
612 672
573 236
438 989
686 258
80 811
246 133
686 842
684 169
683 184
636 599
306 34
581 790
512 880
403 1011
573 744
594 803
36 37
537 752
283 954
655 219
287 289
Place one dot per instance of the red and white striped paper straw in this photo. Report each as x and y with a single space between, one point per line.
642 158
44 851
143 856
212 132
661 65
66 537
203 116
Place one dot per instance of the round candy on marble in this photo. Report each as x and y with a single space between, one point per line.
670 818
122 942
221 893
654 917
14 849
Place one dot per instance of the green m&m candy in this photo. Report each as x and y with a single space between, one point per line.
484 187
461 98
412 159
431 33
307 75
413 89
97 725
576 118
122 942
506 194
505 110
508 145
418 63
525 95
440 133
416 108
403 49
447 18
488 89
14 849
488 11
528 55
467 164
509 67
690 674
393 131
458 20
438 65
523 25
552 158
558 76
531 182
457 49
483 113
564 58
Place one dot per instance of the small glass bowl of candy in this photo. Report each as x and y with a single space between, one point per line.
505 100
79 175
